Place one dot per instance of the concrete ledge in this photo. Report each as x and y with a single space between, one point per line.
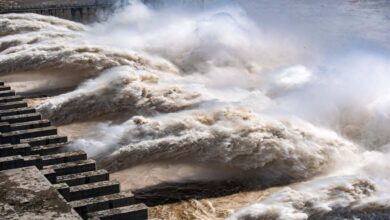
48 149
21 118
17 161
17 111
7 93
50 174
85 206
6 150
133 212
39 141
13 105
14 149
30 125
93 190
21 149
33 160
11 99
11 162
63 189
15 136
4 88
72 167
5 127
84 178
64 157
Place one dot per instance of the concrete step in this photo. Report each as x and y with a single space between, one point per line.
85 206
52 171
5 127
33 160
6 150
17 111
133 212
63 189
14 149
11 99
4 88
14 137
46 140
93 190
29 125
64 157
11 162
21 118
27 140
13 105
21 149
7 93
48 149
84 178
72 193
17 161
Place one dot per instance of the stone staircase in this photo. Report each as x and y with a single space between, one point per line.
28 140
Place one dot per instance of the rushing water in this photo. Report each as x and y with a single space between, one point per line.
252 94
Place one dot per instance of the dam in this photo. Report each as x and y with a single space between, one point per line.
84 11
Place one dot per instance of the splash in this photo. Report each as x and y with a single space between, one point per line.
38 43
119 90
218 87
359 192
232 137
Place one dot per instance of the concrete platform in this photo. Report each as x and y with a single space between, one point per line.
26 194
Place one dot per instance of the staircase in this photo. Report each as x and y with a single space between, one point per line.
28 140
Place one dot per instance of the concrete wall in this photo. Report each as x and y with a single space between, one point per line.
80 14
81 11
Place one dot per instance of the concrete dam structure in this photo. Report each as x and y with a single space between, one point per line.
81 10
41 179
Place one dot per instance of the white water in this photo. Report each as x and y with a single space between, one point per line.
257 87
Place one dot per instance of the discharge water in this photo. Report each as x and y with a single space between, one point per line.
259 94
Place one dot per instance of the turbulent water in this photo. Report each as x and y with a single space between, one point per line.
289 93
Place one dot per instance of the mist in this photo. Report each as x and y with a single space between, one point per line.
292 92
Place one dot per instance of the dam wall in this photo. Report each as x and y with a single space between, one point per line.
84 11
